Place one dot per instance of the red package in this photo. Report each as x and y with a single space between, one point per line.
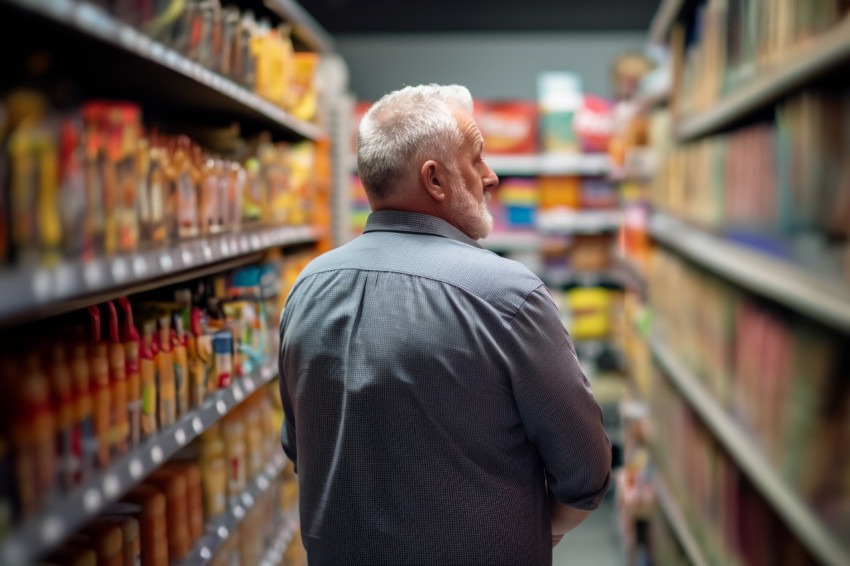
508 127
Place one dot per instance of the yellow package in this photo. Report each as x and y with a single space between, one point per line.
590 308
303 94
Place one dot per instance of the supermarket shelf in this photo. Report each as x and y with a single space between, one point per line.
70 512
30 294
678 523
812 59
549 164
796 514
507 241
628 273
305 28
825 300
579 222
219 91
667 13
275 553
219 528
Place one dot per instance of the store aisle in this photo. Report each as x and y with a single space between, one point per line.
595 542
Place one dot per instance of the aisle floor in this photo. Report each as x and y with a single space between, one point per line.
595 542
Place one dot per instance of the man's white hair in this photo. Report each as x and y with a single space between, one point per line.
405 128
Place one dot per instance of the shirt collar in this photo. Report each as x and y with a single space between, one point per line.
415 223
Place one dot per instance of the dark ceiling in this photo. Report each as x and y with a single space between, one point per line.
404 16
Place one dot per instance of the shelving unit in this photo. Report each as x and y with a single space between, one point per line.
305 28
824 300
113 60
579 222
202 86
219 528
516 241
795 512
663 20
70 512
810 60
39 292
549 164
678 523
275 552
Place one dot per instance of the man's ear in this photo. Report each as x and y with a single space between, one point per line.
433 178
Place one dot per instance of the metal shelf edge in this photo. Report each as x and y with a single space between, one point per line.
306 27
680 525
40 534
825 52
781 281
795 513
219 528
663 20
92 21
275 553
39 288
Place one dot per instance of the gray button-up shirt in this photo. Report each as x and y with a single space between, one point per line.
431 393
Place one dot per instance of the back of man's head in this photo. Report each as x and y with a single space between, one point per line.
405 128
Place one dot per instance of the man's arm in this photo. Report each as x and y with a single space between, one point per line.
556 404
564 519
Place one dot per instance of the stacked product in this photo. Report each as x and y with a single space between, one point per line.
782 187
234 43
95 183
734 41
779 377
85 389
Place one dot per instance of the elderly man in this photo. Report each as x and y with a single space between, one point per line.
435 408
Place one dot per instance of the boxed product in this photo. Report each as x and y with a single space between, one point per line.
519 198
508 127
559 96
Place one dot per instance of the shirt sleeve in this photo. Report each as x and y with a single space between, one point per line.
558 410
287 433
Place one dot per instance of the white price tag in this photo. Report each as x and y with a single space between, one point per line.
188 258
41 285
119 270
111 486
52 530
140 266
165 262
208 254
93 275
64 278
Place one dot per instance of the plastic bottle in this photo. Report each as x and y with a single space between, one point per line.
119 422
61 389
165 365
179 341
85 442
233 431
213 466
172 484
130 339
148 379
99 366
149 508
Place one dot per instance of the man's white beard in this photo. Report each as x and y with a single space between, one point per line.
471 216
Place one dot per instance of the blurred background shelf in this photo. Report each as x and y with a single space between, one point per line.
69 512
306 29
793 286
809 60
670 507
134 64
507 241
797 515
549 164
30 294
579 222
276 551
220 528
665 16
